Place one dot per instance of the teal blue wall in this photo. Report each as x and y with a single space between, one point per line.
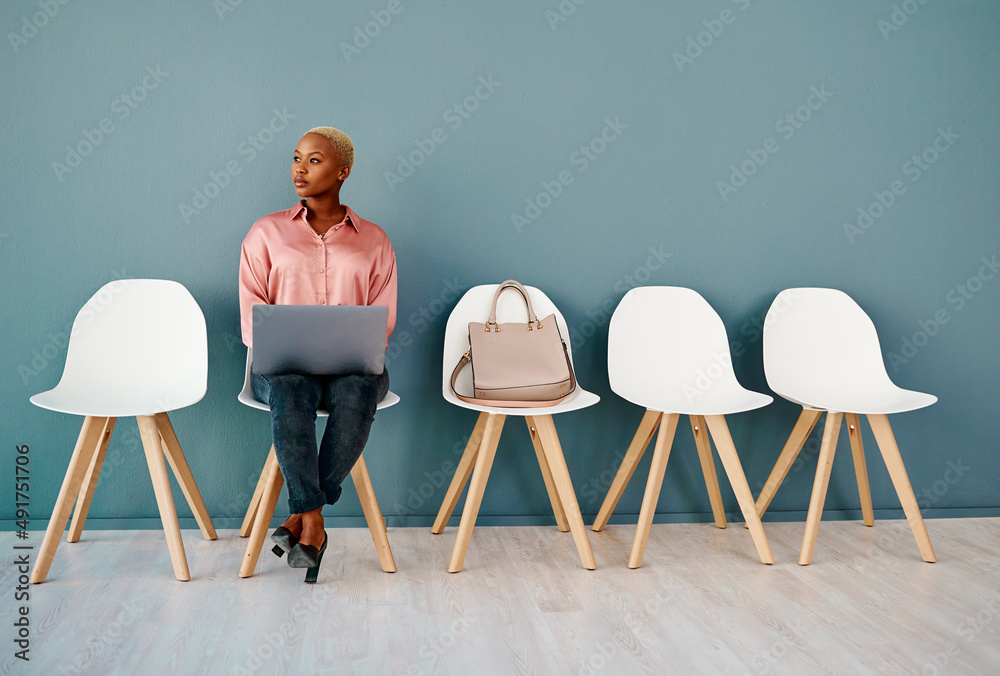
884 80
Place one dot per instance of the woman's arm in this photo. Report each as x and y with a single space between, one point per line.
383 287
253 290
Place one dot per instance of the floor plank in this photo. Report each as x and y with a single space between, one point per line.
700 604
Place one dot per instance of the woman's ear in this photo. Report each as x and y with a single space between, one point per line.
345 171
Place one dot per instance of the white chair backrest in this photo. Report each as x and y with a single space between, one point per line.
818 342
667 345
474 306
143 339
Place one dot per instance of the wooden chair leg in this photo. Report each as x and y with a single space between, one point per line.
700 431
181 470
860 468
897 472
258 491
564 487
661 453
373 515
643 435
543 464
480 475
738 480
90 483
462 473
265 510
824 464
86 446
796 440
150 434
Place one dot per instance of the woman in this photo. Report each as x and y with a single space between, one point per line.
319 252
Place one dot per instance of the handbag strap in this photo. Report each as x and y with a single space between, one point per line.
511 284
467 358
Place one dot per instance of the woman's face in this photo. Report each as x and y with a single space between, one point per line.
316 167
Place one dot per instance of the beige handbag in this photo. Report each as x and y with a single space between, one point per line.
516 364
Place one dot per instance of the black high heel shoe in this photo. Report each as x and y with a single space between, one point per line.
307 556
284 541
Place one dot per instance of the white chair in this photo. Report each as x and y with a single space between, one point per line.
668 352
821 351
477 459
265 496
137 348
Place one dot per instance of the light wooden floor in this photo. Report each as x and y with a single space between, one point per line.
702 603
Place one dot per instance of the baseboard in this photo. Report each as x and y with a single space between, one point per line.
427 520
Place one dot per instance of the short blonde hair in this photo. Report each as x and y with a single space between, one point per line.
339 140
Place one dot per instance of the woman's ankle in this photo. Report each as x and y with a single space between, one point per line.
312 527
294 524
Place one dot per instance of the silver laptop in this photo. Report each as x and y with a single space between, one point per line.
319 339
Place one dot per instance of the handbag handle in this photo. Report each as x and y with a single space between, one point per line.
511 284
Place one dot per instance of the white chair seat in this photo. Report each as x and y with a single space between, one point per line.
247 398
78 399
390 399
713 401
579 398
881 399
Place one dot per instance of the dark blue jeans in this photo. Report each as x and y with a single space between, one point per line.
314 481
